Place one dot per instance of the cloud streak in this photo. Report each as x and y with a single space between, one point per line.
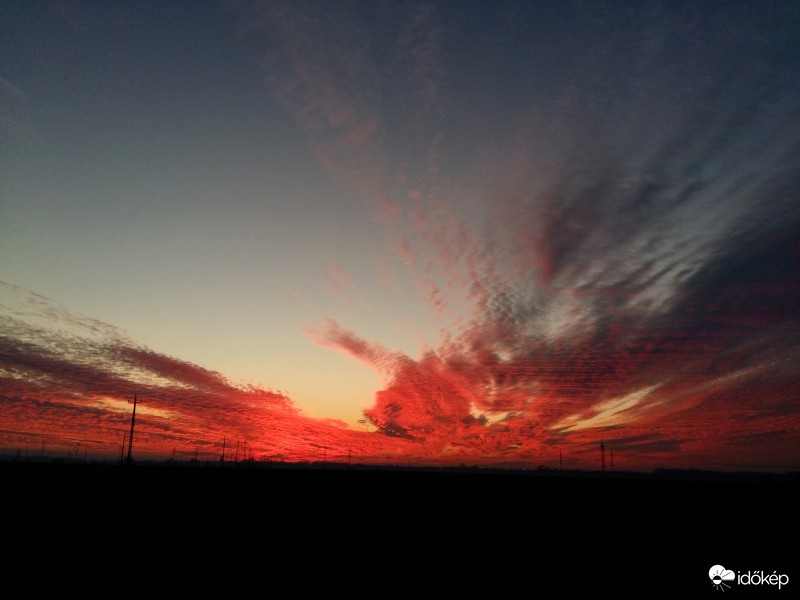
70 379
617 256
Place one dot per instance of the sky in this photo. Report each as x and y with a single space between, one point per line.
418 233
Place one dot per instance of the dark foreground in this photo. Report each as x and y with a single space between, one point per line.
406 531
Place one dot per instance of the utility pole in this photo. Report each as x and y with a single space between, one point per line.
122 449
602 457
560 461
130 437
222 459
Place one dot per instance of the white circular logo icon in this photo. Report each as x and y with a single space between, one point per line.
719 575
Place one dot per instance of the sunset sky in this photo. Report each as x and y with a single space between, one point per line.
482 233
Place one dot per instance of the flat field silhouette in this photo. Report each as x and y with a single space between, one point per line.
608 530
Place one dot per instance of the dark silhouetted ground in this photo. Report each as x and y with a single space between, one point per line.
412 530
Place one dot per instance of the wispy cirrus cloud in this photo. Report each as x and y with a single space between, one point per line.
612 248
69 379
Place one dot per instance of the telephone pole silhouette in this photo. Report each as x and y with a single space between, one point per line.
122 449
130 437
602 457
